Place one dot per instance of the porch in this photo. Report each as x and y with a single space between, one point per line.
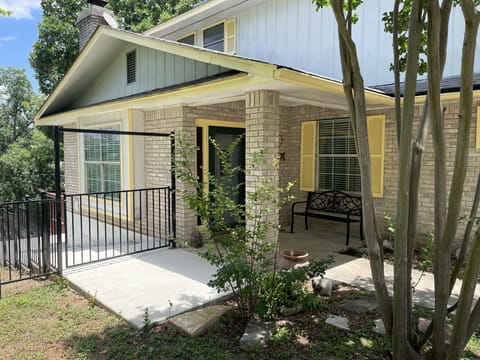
169 281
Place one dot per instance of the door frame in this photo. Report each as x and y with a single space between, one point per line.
205 124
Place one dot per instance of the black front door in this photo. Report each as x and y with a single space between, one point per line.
224 136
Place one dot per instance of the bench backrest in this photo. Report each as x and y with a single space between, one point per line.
335 201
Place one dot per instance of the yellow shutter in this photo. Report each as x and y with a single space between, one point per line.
478 128
376 141
230 36
307 155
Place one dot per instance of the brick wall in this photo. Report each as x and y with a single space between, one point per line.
291 119
180 119
71 166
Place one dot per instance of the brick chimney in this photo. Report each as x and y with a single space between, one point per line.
90 19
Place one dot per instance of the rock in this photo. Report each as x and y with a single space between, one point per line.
355 251
388 246
380 327
290 310
423 324
256 335
323 285
340 322
361 305
196 322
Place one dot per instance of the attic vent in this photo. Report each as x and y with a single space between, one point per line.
131 67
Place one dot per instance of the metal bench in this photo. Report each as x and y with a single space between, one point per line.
332 205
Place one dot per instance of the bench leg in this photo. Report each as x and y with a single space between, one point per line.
362 235
306 222
291 223
348 233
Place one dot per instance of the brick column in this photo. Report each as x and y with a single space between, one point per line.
262 128
157 159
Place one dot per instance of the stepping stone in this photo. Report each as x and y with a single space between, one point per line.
338 321
361 305
196 322
256 335
380 327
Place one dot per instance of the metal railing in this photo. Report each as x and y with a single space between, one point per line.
106 225
27 245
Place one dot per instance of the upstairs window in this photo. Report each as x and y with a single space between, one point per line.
213 37
131 67
188 39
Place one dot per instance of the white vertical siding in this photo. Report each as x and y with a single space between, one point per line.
292 33
299 37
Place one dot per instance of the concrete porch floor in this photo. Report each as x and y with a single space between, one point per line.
326 238
164 281
170 282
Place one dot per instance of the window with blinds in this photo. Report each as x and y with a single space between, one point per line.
102 163
337 160
213 37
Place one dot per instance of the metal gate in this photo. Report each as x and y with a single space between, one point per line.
105 225
42 237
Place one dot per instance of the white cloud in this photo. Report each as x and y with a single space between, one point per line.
22 9
4 39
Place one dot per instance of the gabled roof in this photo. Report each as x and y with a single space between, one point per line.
294 86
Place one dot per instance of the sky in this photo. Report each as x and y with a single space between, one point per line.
18 32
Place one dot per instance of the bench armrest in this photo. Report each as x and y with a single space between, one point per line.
297 203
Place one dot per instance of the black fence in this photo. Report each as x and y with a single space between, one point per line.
42 237
28 247
106 225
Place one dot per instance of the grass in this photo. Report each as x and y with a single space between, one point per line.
50 321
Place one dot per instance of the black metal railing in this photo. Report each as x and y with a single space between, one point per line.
106 225
27 244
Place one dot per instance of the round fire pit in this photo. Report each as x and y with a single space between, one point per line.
293 258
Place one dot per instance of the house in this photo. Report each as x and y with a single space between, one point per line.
265 68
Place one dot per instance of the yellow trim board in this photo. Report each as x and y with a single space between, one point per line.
153 100
328 85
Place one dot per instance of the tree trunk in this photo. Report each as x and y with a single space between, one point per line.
401 331
354 92
459 336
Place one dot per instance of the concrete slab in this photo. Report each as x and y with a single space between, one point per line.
164 281
326 238
196 322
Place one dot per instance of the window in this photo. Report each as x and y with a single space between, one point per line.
337 157
131 67
328 157
213 37
102 162
189 39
